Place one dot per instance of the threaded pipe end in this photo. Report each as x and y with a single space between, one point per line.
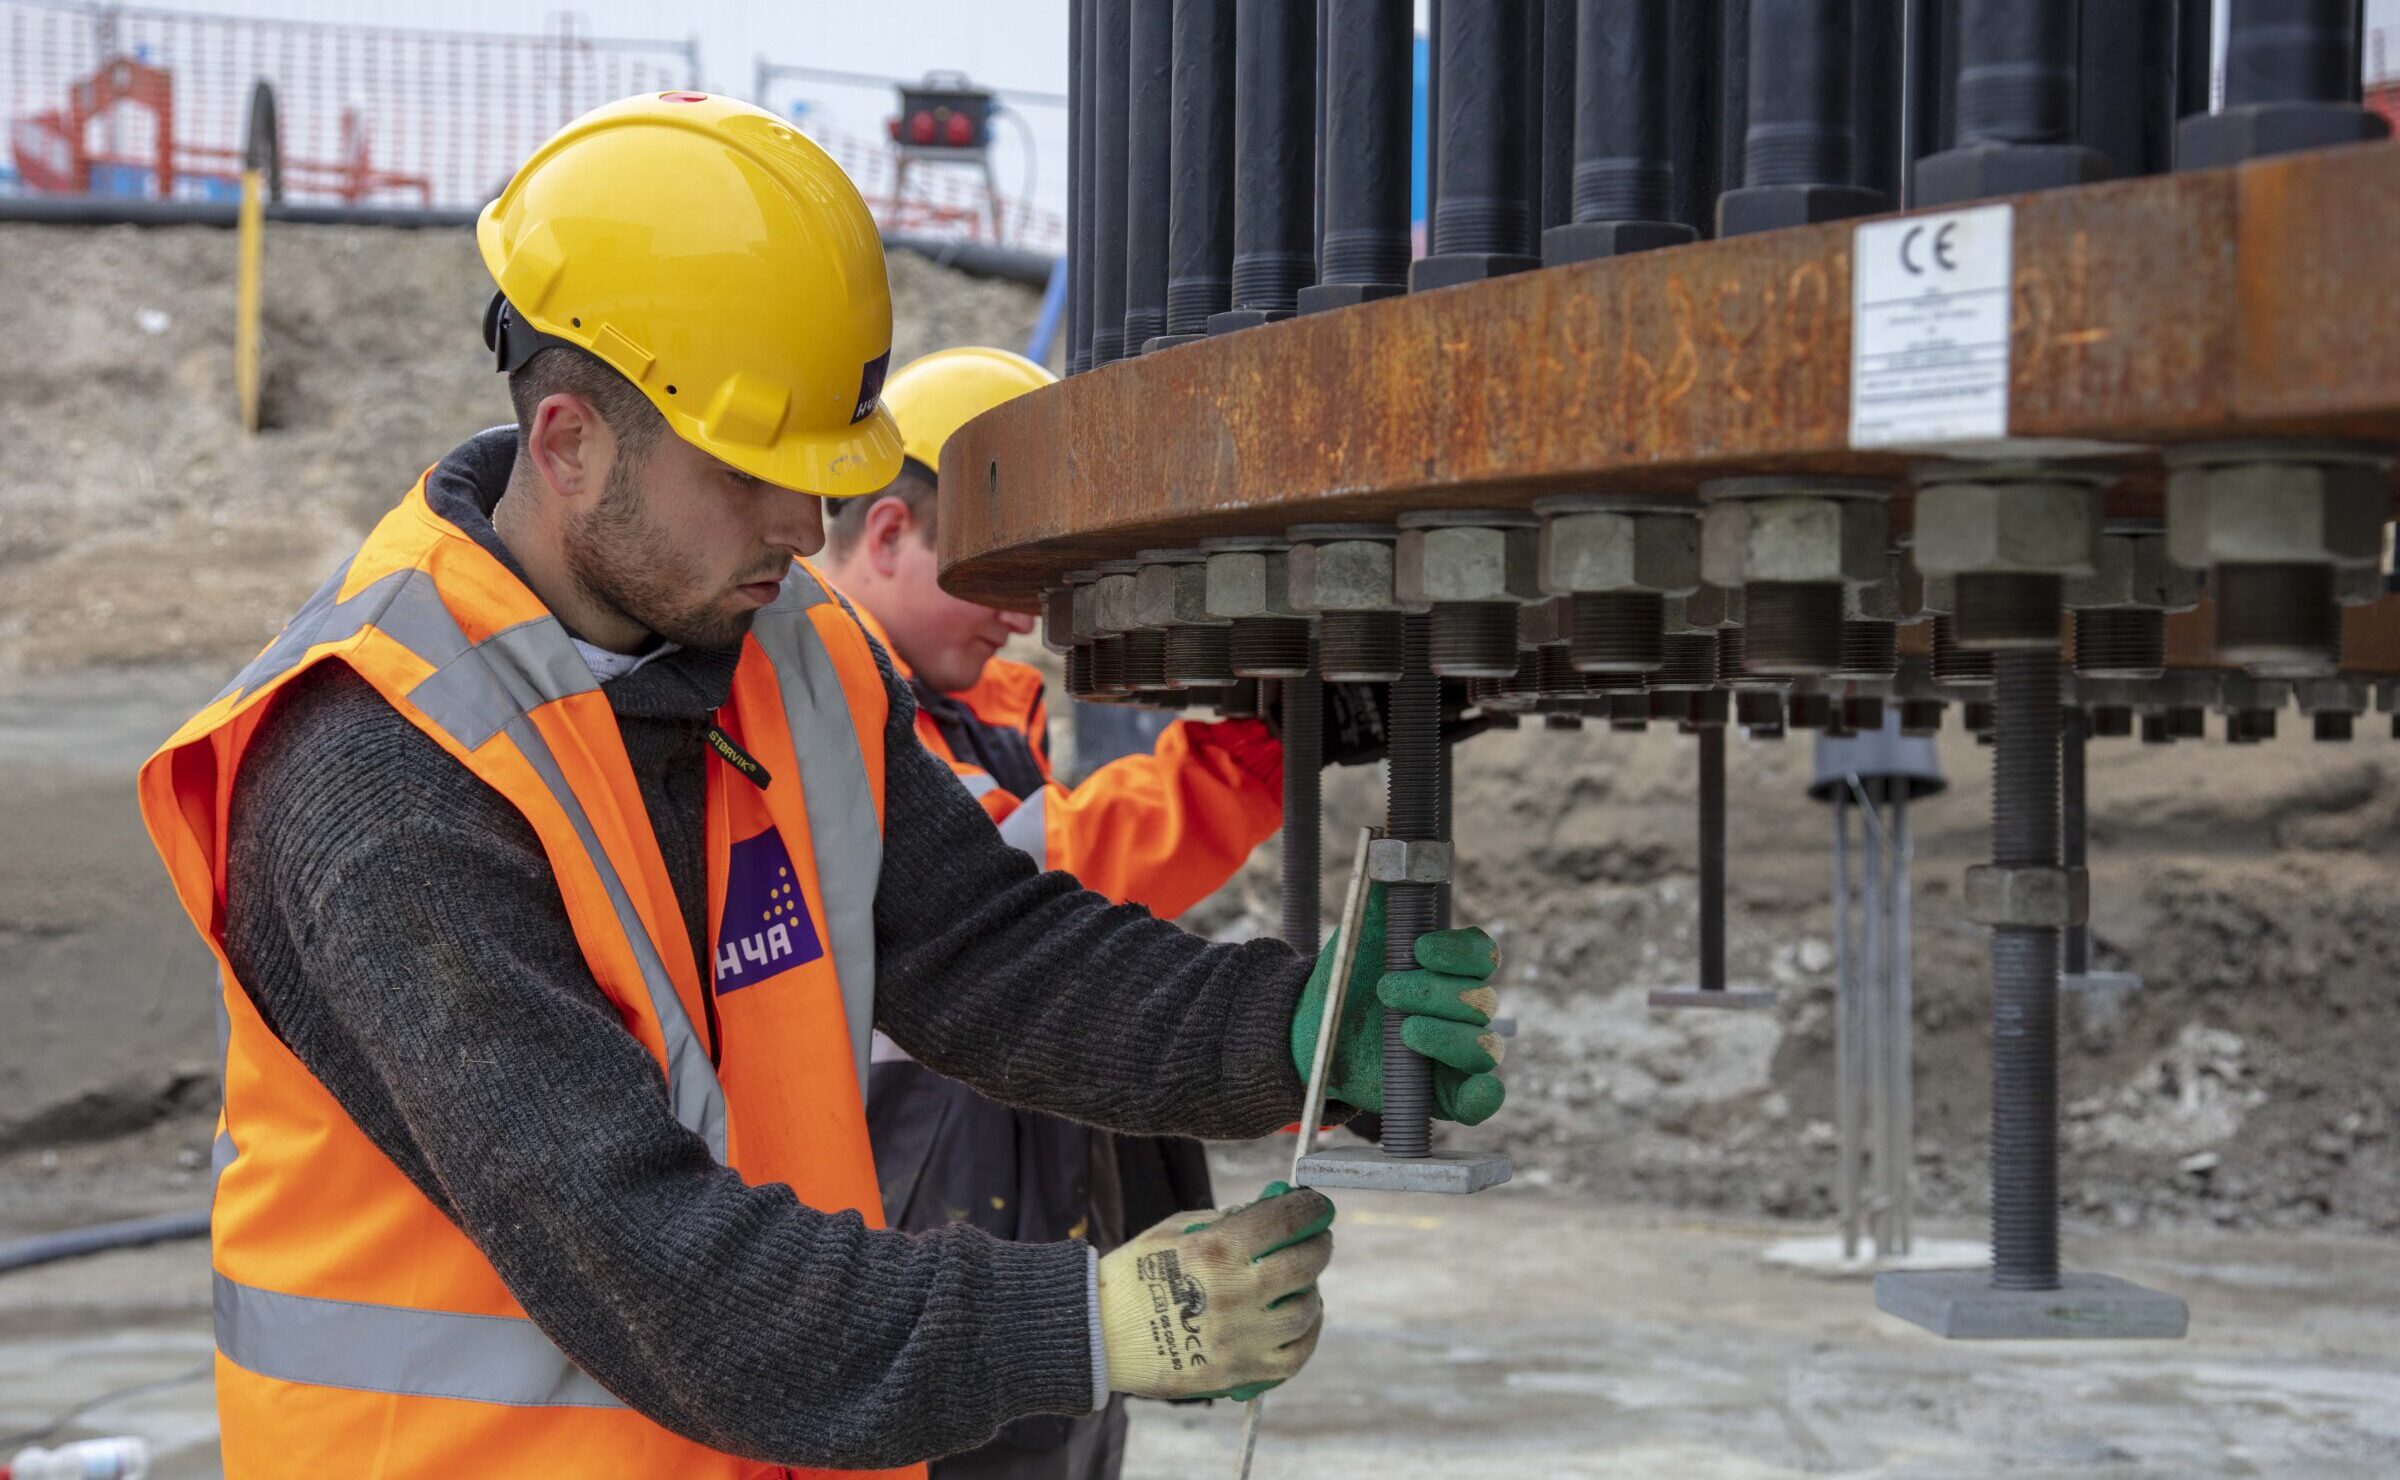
1690 663
1079 671
1869 650
1199 657
1953 664
1794 628
1146 659
1270 647
1108 664
1616 631
1997 612
2120 642
1471 638
2278 618
1359 647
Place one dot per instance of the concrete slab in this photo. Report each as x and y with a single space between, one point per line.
1366 1168
1822 1255
1963 1306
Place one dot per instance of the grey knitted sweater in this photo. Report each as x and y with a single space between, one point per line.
398 926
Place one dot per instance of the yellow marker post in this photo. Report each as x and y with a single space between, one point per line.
245 299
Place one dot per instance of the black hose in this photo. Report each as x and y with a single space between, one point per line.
101 1238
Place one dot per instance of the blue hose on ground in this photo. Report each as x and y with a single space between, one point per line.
100 1238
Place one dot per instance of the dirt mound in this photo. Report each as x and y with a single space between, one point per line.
139 525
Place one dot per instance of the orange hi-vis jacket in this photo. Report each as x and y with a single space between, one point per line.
359 1332
1162 830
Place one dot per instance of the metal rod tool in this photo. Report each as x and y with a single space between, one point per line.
1312 1104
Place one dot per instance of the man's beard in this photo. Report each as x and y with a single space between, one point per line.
621 560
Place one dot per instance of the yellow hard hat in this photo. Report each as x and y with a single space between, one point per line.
720 261
936 394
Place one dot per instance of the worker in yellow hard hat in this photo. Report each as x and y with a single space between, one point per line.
559 858
1162 829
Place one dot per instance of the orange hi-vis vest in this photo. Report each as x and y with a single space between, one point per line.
359 1332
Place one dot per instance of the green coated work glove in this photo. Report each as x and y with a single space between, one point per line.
1217 1304
1446 1006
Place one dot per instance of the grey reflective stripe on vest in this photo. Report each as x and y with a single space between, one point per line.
845 833
1027 829
391 1349
491 688
476 691
977 783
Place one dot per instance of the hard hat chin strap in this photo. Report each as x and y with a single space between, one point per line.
513 341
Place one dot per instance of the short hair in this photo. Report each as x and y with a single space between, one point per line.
846 518
631 418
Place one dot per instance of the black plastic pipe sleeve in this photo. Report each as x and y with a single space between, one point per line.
1149 90
1274 160
1200 169
1365 248
1111 40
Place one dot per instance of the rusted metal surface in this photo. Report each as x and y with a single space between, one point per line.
2172 308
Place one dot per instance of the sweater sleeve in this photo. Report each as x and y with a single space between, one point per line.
398 924
1042 994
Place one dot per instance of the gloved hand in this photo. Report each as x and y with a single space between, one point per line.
1447 1004
1217 1305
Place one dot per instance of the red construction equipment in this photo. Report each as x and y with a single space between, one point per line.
54 153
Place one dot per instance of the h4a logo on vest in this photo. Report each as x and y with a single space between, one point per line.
765 928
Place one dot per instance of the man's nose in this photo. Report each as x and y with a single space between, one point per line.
1017 622
799 524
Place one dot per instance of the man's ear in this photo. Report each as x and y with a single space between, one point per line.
570 446
888 524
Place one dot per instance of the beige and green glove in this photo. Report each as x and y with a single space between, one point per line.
1217 1305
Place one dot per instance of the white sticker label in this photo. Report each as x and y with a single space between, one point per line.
1929 329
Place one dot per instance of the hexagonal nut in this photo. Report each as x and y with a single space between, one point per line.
1112 602
1937 596
1467 562
2266 512
2008 527
2358 585
1248 583
2239 691
2207 141
1542 623
1875 601
2053 897
1798 539
1705 608
2133 571
1058 618
1607 551
2335 695
1341 576
1086 605
1407 861
1166 595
